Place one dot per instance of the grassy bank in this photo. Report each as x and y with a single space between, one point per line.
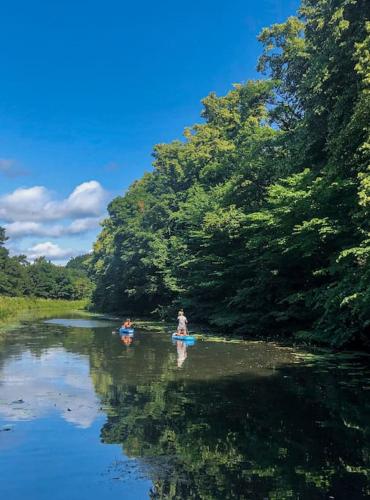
12 308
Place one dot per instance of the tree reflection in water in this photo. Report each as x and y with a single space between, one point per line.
236 421
299 432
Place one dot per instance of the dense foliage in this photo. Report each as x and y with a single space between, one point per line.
259 220
42 278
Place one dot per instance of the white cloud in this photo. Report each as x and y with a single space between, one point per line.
47 383
6 164
36 212
16 230
23 204
9 168
21 229
83 225
51 251
36 204
86 200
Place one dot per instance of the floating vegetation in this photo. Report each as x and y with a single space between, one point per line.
214 338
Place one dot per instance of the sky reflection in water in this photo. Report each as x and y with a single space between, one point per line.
86 417
56 381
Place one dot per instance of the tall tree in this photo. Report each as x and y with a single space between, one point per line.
259 220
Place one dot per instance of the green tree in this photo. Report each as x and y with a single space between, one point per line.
258 221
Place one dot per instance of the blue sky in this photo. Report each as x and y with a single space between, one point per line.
87 89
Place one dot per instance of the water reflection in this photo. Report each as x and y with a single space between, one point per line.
55 381
237 421
80 323
277 437
242 422
181 352
127 340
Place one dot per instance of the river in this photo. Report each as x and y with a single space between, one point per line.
85 416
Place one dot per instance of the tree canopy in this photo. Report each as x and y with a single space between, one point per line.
18 277
258 221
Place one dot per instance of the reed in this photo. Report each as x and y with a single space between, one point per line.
12 308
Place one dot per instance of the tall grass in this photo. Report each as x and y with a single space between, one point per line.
12 308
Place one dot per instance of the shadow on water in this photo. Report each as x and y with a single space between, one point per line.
219 420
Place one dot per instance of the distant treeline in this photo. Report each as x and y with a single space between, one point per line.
258 222
42 278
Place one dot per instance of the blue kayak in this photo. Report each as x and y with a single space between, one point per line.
185 338
126 331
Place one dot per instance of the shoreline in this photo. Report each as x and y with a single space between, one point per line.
13 309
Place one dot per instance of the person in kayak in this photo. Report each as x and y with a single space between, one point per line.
182 322
127 324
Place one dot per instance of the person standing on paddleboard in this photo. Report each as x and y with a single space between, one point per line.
182 322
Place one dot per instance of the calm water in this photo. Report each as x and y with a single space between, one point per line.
83 416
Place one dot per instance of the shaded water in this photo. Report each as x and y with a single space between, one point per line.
84 416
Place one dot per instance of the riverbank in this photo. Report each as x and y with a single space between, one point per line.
13 308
